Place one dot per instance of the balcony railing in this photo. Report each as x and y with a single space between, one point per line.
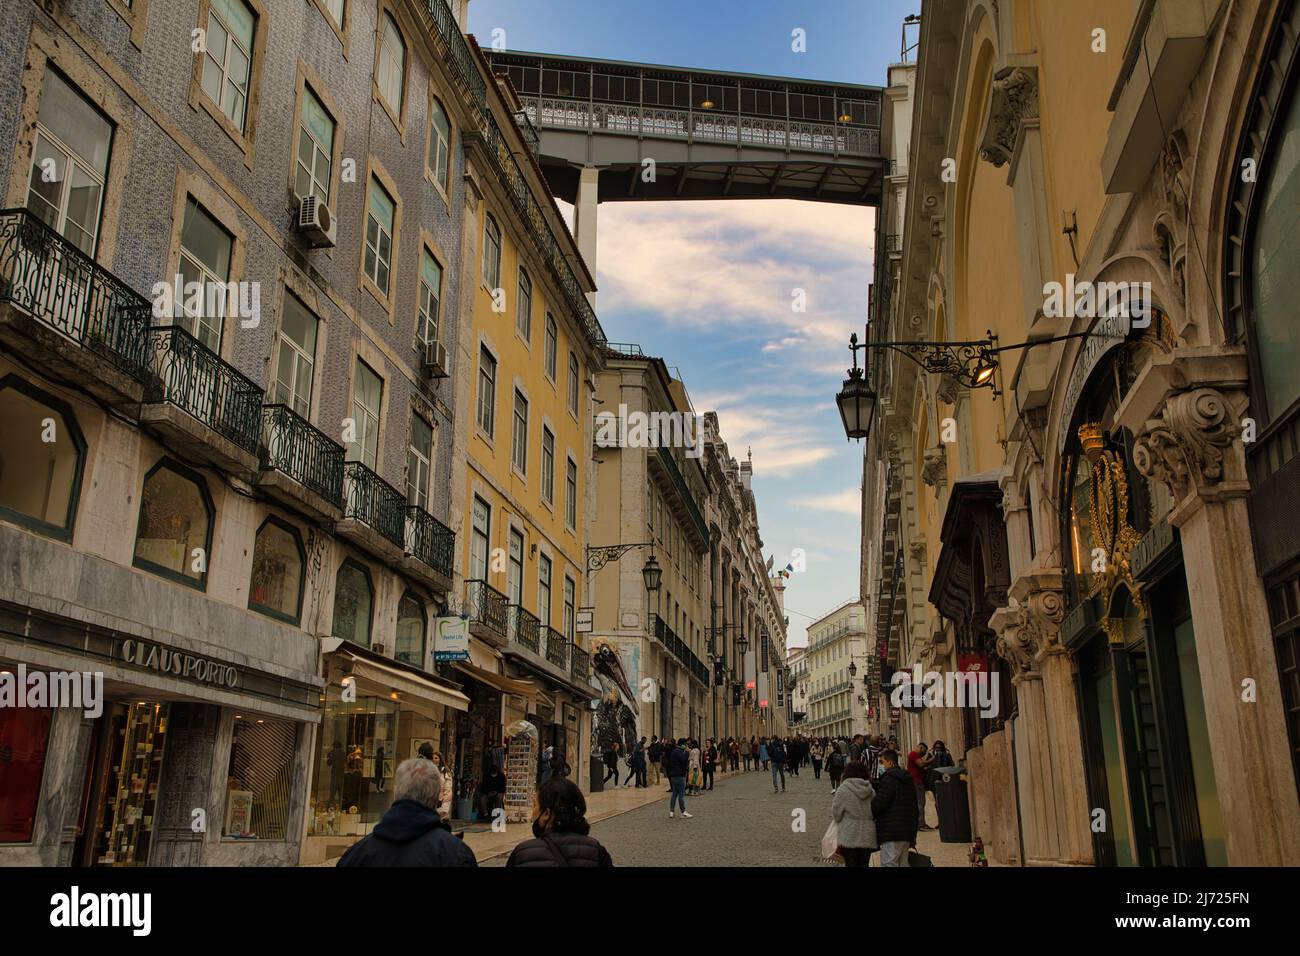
692 508
557 648
429 539
374 502
189 375
579 664
668 123
459 59
56 283
293 445
525 628
486 605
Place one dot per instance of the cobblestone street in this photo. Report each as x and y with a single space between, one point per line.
740 823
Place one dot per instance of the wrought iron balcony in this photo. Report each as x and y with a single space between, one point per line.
557 648
459 58
190 376
49 278
294 446
579 664
431 541
692 508
374 502
525 628
487 606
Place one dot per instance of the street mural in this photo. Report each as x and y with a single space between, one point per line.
617 669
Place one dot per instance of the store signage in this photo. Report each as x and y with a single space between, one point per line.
972 663
450 639
1106 333
167 660
583 622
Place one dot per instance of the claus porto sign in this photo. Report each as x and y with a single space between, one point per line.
167 660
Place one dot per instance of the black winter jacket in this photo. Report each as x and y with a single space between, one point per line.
679 763
410 834
894 807
576 849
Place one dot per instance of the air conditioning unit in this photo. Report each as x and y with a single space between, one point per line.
316 222
435 360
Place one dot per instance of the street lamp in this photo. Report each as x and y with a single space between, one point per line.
972 364
853 669
742 644
652 574
857 399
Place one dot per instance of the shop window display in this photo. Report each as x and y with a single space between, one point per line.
41 456
410 631
175 528
259 783
353 600
24 736
355 756
128 783
275 585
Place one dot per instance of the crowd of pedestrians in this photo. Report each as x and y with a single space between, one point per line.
878 805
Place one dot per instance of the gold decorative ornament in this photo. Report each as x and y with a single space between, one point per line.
1108 508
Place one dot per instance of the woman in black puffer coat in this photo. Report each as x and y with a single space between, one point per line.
560 831
894 805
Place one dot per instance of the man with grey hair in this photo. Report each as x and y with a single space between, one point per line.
411 832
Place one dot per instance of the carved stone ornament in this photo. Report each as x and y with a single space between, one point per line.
1032 628
949 389
1169 228
1014 99
934 470
916 550
1184 446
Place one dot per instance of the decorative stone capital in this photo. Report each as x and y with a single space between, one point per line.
916 550
949 389
1187 445
934 469
1030 629
1014 100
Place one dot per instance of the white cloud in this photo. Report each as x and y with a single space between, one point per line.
848 501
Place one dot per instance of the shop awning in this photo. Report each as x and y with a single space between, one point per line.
413 688
509 685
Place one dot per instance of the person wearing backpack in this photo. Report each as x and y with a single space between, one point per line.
835 765
777 755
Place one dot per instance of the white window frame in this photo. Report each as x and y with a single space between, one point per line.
570 494
491 253
300 359
550 348
430 301
214 325
524 306
366 420
485 410
419 468
544 586
548 471
319 187
519 433
224 64
575 390
374 248
384 64
439 144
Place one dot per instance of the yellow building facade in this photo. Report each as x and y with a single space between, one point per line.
531 344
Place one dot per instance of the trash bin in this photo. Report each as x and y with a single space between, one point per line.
952 804
597 774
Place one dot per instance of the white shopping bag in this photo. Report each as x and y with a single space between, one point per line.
831 841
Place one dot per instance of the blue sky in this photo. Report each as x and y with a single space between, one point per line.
708 285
